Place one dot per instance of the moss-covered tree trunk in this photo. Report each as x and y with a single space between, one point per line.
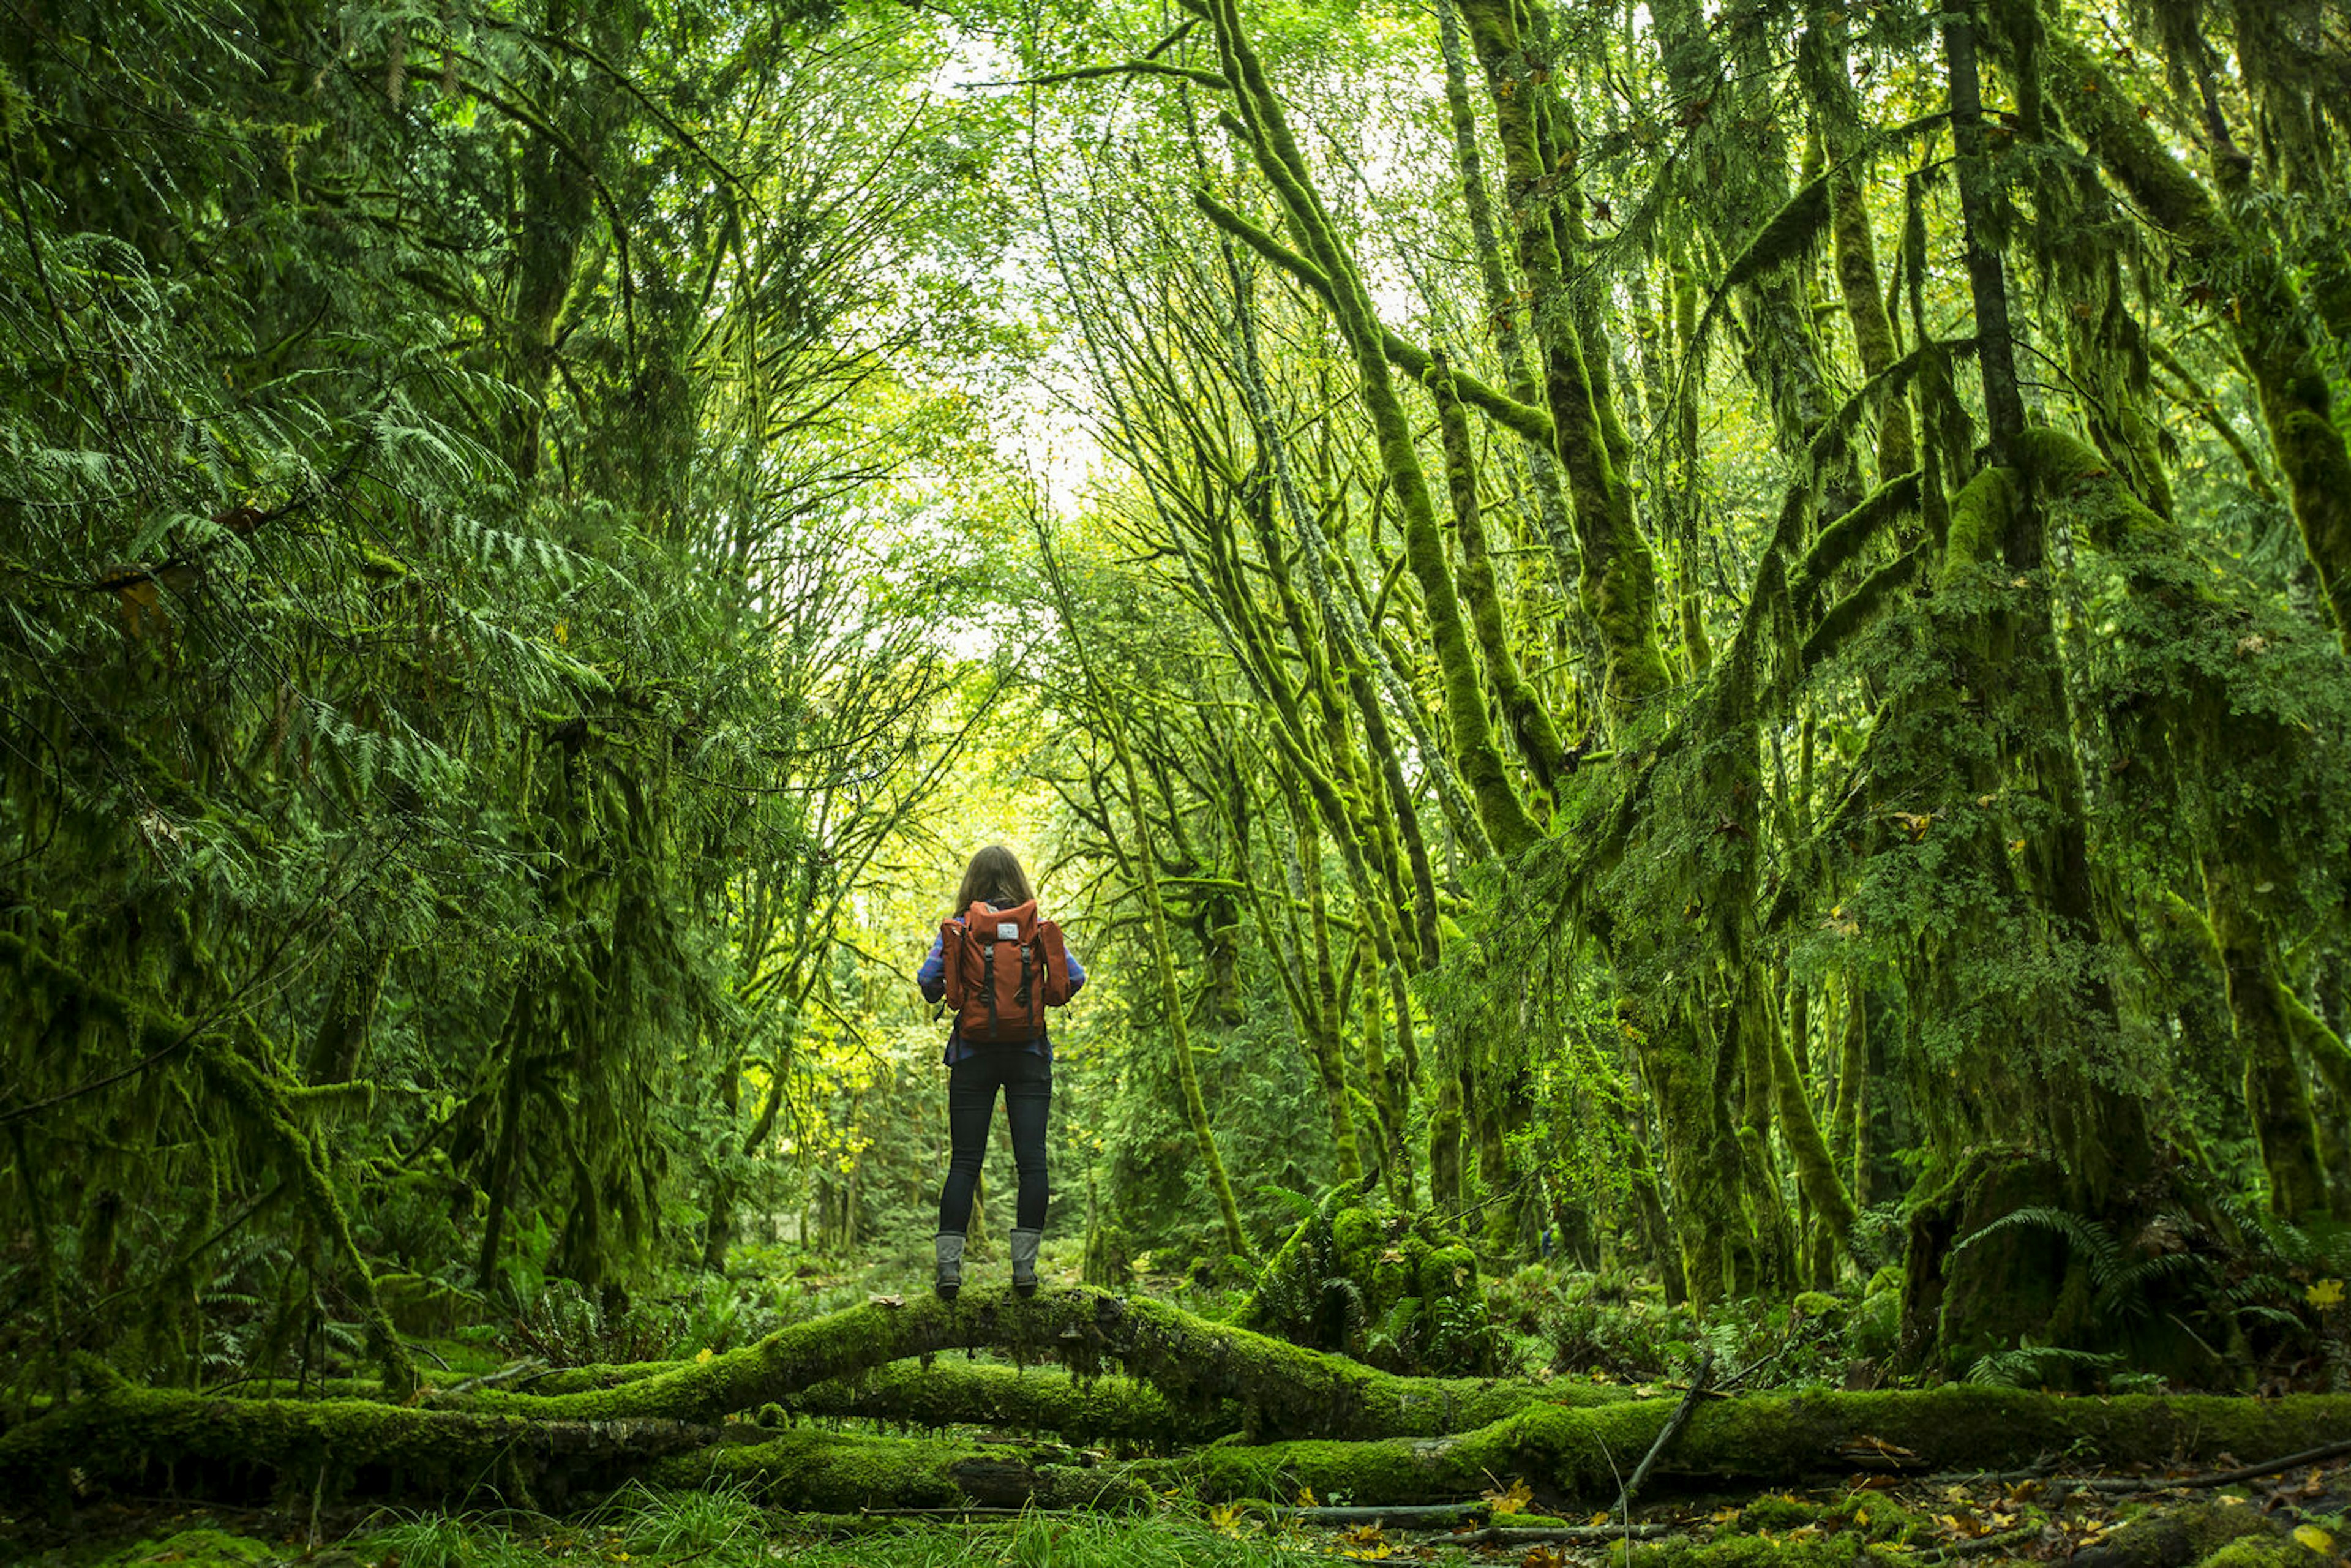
1860 286
2264 312
2277 1097
1504 305
1617 572
1268 136
1145 859
1530 722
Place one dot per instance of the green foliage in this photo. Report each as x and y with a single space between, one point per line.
456 627
726 1528
1384 1287
518 589
2031 1366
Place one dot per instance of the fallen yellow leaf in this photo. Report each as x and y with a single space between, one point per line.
2313 1537
1512 1501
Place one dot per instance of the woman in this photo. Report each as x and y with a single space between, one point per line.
1009 1048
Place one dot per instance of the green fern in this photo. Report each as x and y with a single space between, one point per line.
2029 1365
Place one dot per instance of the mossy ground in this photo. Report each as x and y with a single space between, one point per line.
723 1530
2297 1519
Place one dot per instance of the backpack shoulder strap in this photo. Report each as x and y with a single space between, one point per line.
953 945
1056 963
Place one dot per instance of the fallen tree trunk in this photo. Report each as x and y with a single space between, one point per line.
1565 1452
1028 1399
1380 1439
840 1472
1281 1389
1577 1454
212 1445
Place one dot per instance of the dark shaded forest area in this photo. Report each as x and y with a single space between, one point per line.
1683 666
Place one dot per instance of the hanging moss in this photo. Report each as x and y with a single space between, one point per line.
1848 536
2264 311
1856 611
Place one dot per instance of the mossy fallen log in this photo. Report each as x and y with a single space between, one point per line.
125 1435
1374 1437
1578 1454
950 1392
137 1437
841 1473
1283 1390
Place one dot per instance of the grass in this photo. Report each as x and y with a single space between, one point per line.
638 1528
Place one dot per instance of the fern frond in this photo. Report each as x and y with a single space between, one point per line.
2090 1238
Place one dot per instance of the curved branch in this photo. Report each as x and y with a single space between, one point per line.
1524 419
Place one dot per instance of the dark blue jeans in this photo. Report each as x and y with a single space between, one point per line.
1026 1079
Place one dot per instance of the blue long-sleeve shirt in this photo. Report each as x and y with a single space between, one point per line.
932 979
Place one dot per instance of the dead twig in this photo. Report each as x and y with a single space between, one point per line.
1673 1429
1539 1535
2219 1478
511 1372
1414 1515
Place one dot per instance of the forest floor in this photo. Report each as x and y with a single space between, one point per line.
2187 1500
2296 1519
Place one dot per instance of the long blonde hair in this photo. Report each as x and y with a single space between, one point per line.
994 876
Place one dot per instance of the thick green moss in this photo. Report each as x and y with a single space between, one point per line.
1979 516
1204 1376
1345 1282
952 1392
830 1472
130 1434
2200 1532
1580 1452
196 1549
2261 1554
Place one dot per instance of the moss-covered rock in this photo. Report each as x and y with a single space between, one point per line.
2176 1537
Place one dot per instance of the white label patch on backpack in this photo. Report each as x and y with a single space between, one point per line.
1006 931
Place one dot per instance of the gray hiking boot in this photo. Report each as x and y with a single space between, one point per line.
1024 1262
949 1246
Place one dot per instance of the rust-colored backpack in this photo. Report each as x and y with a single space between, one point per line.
1004 968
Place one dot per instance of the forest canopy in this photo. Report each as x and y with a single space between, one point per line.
1685 653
